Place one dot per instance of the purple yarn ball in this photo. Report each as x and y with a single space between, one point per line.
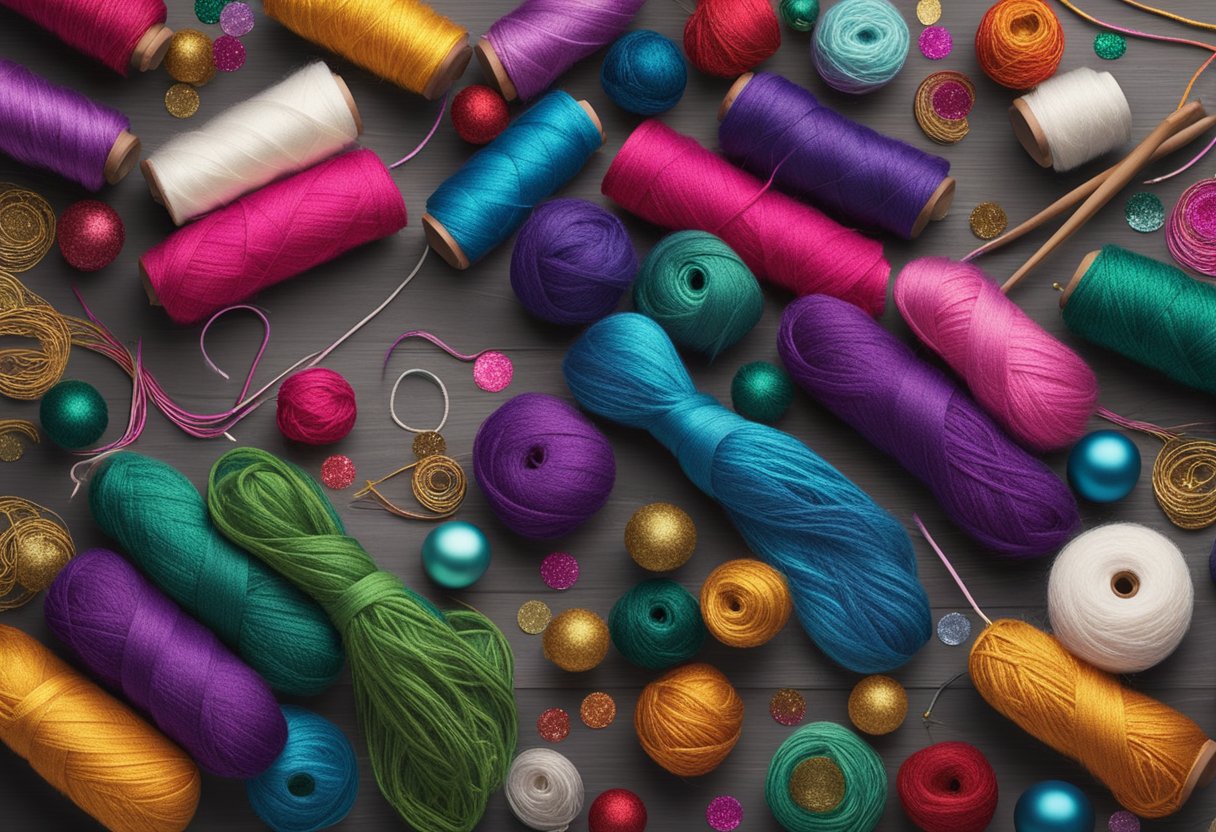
137 641
543 466
572 262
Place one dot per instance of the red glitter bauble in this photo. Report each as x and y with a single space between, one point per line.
617 810
90 235
479 114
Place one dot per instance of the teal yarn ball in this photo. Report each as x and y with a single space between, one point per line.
657 624
456 554
701 293
73 414
861 799
644 73
762 392
860 45
799 15
313 783
1053 806
1104 466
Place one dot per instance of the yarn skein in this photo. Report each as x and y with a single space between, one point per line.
1120 597
948 787
745 602
316 407
123 36
134 639
160 521
689 719
544 468
863 794
860 45
433 690
1072 118
672 181
728 37
644 73
544 790
1019 43
88 745
850 566
999 494
657 624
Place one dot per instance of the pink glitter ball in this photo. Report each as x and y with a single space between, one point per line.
952 101
493 371
228 53
936 43
559 570
236 19
337 472
724 813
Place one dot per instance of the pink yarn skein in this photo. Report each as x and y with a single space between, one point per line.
316 407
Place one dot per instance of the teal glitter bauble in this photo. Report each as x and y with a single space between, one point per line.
761 392
1104 466
799 15
73 414
456 554
1053 806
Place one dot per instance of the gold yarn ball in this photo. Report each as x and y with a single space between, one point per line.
189 58
745 602
817 784
576 640
660 537
878 705
689 719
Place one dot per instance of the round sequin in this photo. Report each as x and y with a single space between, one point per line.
936 43
553 725
953 628
429 443
929 12
941 105
598 710
988 220
533 617
1110 46
724 813
1123 821
338 472
208 11
27 228
236 19
559 570
787 706
228 53
493 371
952 101
1144 212
11 448
181 101
817 784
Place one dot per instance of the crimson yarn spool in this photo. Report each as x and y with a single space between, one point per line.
729 37
316 407
479 114
90 235
617 810
948 787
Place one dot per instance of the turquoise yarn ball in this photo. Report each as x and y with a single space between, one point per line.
73 414
761 392
456 554
1104 466
657 624
1053 806
799 15
313 783
644 73
860 45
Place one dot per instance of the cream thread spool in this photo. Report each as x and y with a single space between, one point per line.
1072 119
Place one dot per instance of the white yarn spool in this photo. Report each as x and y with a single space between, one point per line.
1120 597
1072 118
305 118
544 790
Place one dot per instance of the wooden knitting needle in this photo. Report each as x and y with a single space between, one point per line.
1123 173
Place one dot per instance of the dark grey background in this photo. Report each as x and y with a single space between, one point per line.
474 310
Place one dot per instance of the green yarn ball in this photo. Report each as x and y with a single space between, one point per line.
862 799
73 414
657 624
799 15
761 392
699 291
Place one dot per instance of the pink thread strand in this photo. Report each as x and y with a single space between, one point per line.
950 568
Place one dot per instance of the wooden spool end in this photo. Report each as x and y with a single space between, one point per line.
443 243
452 67
151 48
937 207
595 119
122 157
1029 132
153 300
157 189
734 92
494 71
350 102
1203 770
1086 262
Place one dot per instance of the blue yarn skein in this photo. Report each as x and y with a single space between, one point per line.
850 566
313 783
860 45
644 73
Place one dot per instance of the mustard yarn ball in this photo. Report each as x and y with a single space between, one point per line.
689 719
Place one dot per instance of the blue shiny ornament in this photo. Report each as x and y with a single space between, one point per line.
1104 466
1053 806
456 554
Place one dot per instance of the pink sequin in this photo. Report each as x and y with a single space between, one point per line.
229 53
936 43
559 570
724 813
1201 212
553 725
236 19
493 371
952 101
338 472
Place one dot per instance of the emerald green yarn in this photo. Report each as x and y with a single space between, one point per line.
762 392
433 691
699 291
865 780
73 414
160 522
657 624
799 15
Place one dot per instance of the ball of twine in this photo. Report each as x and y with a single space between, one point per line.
729 37
689 719
657 624
860 45
544 790
745 602
644 73
1019 43
316 407
948 787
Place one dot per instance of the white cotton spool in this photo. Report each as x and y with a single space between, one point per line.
544 790
304 119
1072 118
1120 597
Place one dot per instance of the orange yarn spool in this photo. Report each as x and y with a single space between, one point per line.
90 746
729 37
1019 43
745 602
689 719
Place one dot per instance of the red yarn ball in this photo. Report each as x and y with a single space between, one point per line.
479 114
948 787
729 37
90 235
316 407
617 810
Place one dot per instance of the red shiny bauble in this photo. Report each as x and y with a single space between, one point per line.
90 235
617 810
479 114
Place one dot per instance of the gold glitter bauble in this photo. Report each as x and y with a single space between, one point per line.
39 559
660 537
988 220
27 228
817 784
181 101
576 640
929 12
189 58
429 443
878 705
533 617
33 549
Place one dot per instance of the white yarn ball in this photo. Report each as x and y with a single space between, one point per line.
1083 113
1120 597
544 790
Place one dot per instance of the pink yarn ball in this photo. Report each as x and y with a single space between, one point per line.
316 407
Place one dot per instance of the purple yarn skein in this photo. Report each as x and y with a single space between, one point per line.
989 486
134 639
55 128
543 466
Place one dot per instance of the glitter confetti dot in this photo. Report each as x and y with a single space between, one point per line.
1110 46
533 617
954 628
337 472
236 19
11 448
553 725
952 101
988 220
1123 821
787 706
1144 212
817 784
598 710
429 443
493 371
208 11
929 12
936 43
724 813
181 101
228 53
559 570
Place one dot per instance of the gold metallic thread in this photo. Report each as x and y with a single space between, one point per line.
27 228
1184 481
34 546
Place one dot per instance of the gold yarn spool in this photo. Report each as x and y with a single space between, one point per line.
33 549
745 602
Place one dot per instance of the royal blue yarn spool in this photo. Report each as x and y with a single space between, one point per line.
644 73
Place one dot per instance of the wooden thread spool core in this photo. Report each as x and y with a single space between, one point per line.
151 48
939 202
1125 584
149 289
1086 262
494 71
451 68
122 156
1029 132
1203 770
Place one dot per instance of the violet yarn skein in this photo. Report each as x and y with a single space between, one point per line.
992 489
135 640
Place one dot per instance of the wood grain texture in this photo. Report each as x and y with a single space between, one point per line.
476 309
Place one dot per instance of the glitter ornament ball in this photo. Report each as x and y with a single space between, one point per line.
878 705
576 640
189 58
316 407
617 810
1104 466
1053 806
644 73
660 537
479 114
761 392
91 235
455 554
39 558
799 15
73 414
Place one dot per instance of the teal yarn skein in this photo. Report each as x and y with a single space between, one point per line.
73 414
849 564
865 780
657 624
699 291
860 45
160 522
761 391
644 73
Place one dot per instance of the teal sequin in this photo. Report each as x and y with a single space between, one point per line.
1144 212
1110 46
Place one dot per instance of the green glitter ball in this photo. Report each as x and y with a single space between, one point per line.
208 11
1144 212
761 392
1110 46
73 414
800 15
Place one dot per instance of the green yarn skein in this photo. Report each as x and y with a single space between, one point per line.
657 624
433 690
865 780
160 522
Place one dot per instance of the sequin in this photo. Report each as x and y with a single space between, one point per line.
237 19
559 570
1144 212
952 101
553 725
817 784
1123 821
598 710
787 706
337 472
1109 46
533 617
228 53
988 220
929 12
181 101
724 813
936 43
954 628
493 371
11 448
429 443
208 11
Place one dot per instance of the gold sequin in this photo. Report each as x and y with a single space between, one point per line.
598 710
817 784
27 228
533 617
181 101
428 443
929 12
988 220
11 446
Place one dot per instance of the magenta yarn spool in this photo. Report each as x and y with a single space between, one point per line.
316 407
